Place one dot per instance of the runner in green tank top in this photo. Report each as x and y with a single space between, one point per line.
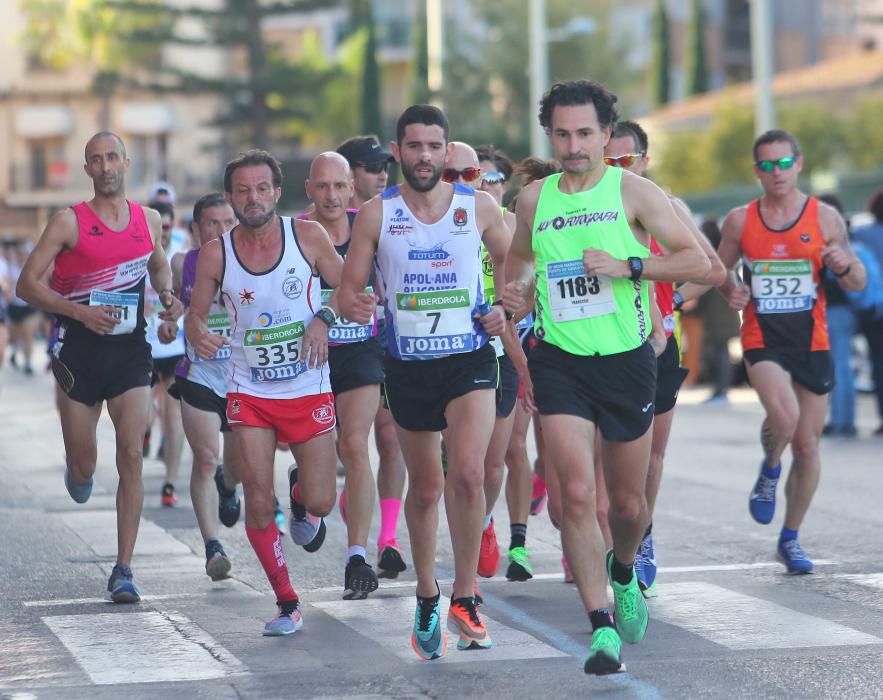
593 366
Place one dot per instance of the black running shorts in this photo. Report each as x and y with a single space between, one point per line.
200 397
615 392
165 366
91 370
669 377
355 365
419 391
813 369
507 391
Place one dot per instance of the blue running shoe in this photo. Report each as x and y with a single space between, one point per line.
791 554
645 565
120 588
427 639
80 492
762 502
287 621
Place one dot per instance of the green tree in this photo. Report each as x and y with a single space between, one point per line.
418 89
371 88
697 67
863 136
661 55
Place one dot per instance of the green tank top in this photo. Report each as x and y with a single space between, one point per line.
587 315
487 270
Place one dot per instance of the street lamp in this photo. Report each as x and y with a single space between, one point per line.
762 65
539 38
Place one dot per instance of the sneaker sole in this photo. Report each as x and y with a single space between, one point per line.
792 572
516 572
314 544
467 638
360 587
603 665
433 655
279 633
217 568
390 564
124 597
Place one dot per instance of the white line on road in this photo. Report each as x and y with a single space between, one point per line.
98 529
142 648
739 621
867 580
388 621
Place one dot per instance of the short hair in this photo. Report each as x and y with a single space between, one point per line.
875 205
633 129
207 201
164 208
775 136
430 115
532 169
579 92
501 161
254 156
102 135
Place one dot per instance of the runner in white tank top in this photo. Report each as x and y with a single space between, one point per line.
268 269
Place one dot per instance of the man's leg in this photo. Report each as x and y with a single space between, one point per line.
129 412
625 471
659 442
317 479
78 429
172 431
390 487
202 429
494 471
804 475
519 483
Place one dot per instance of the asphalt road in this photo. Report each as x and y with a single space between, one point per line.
728 623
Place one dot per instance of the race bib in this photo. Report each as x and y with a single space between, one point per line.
782 286
219 324
429 324
573 295
125 308
274 354
346 331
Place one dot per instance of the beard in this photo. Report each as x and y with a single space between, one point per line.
421 185
255 219
108 189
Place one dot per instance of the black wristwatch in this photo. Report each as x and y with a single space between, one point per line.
636 267
509 315
677 301
327 316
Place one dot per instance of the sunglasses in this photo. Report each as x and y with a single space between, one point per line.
626 160
380 166
493 178
467 174
767 166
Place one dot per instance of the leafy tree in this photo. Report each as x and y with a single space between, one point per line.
418 90
697 67
661 53
862 134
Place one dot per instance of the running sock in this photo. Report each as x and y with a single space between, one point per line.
288 606
518 535
649 529
389 519
600 618
487 521
356 550
771 472
621 573
787 535
267 545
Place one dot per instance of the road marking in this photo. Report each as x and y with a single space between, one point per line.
61 602
867 580
388 621
98 529
739 621
142 648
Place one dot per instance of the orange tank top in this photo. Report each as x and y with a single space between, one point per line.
783 268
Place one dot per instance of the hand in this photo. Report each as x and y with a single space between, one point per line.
527 401
598 262
836 259
167 332
209 344
515 298
98 319
658 341
737 295
173 310
315 352
362 308
494 321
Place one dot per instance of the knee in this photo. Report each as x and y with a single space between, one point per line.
129 458
353 450
578 498
493 470
425 493
805 449
783 423
320 503
627 507
467 479
387 444
205 461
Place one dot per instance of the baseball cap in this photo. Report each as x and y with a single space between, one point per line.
363 150
158 188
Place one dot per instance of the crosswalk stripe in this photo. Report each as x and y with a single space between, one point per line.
148 647
98 529
388 621
739 621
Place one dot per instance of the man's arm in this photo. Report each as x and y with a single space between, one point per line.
717 275
178 273
729 251
520 259
496 237
209 268
354 302
838 254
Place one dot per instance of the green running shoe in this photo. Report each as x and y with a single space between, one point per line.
630 608
604 654
519 565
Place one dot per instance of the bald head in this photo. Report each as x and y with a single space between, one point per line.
461 155
100 138
330 186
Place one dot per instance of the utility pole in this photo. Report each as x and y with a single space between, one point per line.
762 61
538 74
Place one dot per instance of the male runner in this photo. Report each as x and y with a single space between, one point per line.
267 269
355 360
201 386
440 371
593 365
785 239
103 250
369 164
628 148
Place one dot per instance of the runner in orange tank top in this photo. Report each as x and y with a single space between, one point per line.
785 238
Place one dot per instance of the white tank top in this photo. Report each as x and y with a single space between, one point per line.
432 278
269 313
152 308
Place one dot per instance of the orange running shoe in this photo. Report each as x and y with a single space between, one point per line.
463 619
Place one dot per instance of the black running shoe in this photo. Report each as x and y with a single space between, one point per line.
229 505
390 563
359 579
217 565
